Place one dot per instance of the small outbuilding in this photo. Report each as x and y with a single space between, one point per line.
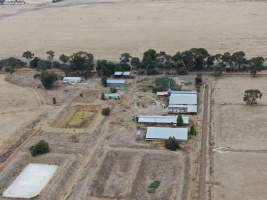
122 74
72 80
162 133
115 96
116 82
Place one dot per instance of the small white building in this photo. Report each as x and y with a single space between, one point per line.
72 80
122 74
161 133
116 82
162 94
115 96
157 119
183 102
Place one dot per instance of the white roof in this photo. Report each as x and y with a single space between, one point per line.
183 92
30 181
121 73
189 108
154 133
161 119
72 79
162 93
115 81
114 95
183 99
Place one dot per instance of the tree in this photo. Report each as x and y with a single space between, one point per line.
41 147
135 62
165 84
256 64
239 58
198 80
54 100
149 59
48 79
51 55
193 130
63 58
82 62
113 90
104 81
125 58
251 96
172 144
180 121
106 111
28 55
12 62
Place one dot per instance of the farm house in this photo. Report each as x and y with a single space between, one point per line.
183 102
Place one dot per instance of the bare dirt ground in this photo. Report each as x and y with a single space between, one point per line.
238 141
108 28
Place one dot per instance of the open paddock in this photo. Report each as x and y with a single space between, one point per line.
240 176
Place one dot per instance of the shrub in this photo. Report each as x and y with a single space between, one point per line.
48 79
113 90
172 144
103 96
104 81
106 111
41 147
180 121
54 100
198 80
164 84
193 130
153 186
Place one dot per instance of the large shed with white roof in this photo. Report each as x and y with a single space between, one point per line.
157 119
183 102
116 82
162 133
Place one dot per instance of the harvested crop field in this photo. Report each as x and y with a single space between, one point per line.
220 25
239 131
78 116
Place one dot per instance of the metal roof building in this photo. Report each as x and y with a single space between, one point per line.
122 73
116 82
160 133
157 119
162 93
72 80
183 102
112 96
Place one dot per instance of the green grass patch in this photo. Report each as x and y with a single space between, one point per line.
78 118
153 186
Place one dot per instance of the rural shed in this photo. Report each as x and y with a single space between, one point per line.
112 96
162 133
157 119
163 94
120 74
183 102
72 80
116 82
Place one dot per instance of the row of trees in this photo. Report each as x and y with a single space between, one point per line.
152 62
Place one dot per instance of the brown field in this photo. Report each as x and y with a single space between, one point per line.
239 133
98 27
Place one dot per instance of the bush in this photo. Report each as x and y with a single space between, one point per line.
41 147
180 121
153 186
48 79
104 81
198 80
113 90
193 130
106 111
164 84
172 144
103 96
54 100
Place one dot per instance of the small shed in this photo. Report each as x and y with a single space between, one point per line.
162 133
116 82
115 96
122 74
72 80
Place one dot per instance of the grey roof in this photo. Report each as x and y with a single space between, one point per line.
115 81
180 108
183 92
161 133
161 119
111 95
183 99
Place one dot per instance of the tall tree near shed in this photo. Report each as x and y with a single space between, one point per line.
251 96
